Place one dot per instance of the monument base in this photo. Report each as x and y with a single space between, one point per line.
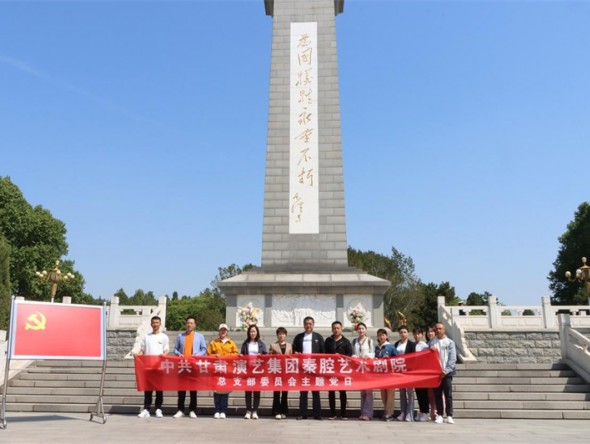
284 298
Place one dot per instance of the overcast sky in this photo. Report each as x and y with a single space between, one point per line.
142 126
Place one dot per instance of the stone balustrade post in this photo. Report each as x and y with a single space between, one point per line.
564 323
548 312
494 313
114 313
440 303
162 301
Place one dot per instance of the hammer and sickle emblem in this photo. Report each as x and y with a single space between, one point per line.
36 321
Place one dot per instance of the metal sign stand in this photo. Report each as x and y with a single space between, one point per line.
7 368
3 410
99 407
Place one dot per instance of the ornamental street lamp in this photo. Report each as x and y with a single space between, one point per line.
54 276
582 276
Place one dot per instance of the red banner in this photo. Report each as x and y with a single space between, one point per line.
42 330
286 372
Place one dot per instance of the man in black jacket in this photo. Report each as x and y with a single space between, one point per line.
309 342
338 344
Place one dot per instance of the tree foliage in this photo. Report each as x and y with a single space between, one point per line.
426 310
36 241
226 273
140 297
208 308
478 299
575 244
405 291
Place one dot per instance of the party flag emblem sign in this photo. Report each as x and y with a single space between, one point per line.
42 330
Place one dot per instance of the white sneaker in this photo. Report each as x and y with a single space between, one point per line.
192 415
159 413
144 414
283 416
216 416
178 414
449 420
423 417
248 415
438 420
222 415
254 415
409 418
401 417
278 417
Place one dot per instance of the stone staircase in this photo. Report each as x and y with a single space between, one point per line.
540 391
518 391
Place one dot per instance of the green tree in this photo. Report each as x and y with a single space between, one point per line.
226 273
575 244
5 291
426 312
478 299
140 297
123 298
405 293
208 308
36 241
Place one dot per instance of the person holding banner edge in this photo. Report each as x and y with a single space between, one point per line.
154 343
189 343
448 358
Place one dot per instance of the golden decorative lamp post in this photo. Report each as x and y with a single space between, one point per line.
54 276
582 276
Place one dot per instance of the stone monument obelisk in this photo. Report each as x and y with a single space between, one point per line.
304 268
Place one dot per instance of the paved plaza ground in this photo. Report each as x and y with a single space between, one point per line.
76 428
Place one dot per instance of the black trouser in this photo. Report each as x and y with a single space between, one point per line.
316 403
147 400
252 406
423 404
192 406
445 388
332 401
280 403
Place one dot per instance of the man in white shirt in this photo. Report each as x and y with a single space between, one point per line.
309 342
154 343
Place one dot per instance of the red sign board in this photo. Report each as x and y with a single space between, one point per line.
43 330
287 372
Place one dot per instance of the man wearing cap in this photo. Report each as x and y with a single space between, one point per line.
221 346
189 343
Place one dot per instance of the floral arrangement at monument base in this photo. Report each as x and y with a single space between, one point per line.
248 315
357 314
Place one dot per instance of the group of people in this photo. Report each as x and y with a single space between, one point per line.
432 403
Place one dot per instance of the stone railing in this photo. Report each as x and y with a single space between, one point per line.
510 334
120 318
575 347
512 317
